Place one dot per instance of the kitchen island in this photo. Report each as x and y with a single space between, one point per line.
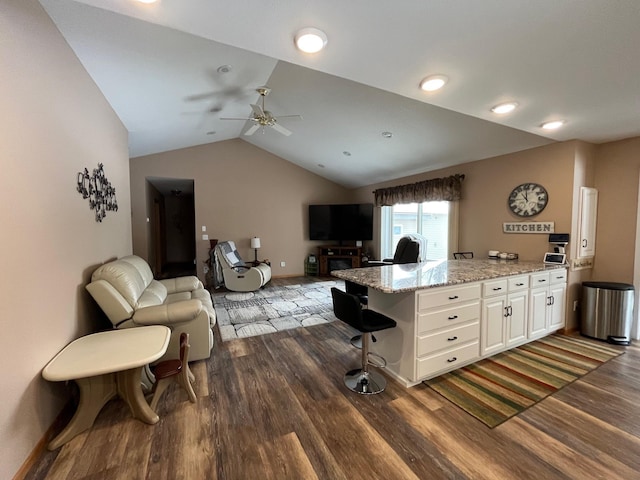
451 313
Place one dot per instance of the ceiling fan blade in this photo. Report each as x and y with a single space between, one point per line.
257 110
228 118
290 116
281 129
252 129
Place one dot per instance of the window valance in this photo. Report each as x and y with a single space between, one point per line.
434 190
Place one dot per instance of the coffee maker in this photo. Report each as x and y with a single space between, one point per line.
559 240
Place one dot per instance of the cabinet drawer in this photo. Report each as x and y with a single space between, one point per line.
540 279
518 283
448 339
448 317
449 360
494 287
438 297
558 276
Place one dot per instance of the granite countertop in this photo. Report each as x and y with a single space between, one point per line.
440 273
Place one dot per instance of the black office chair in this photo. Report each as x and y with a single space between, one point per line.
462 255
407 251
348 309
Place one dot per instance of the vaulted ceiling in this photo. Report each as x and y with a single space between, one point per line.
171 70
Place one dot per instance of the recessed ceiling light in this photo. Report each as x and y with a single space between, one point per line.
433 82
310 40
224 69
553 125
387 134
346 153
321 165
212 132
504 107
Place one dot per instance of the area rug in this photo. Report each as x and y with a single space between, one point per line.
497 388
274 308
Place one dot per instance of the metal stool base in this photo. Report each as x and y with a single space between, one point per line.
365 383
357 341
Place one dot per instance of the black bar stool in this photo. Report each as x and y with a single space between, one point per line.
347 308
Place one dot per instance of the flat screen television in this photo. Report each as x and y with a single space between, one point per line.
341 222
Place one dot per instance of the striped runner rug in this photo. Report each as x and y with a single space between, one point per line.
496 388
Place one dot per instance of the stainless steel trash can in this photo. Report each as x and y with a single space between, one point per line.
607 311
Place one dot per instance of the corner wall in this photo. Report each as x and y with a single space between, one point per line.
54 123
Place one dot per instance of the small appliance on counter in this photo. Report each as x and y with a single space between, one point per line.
558 256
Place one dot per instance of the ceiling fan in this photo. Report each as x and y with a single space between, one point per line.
264 118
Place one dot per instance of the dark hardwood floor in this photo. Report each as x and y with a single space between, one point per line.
275 407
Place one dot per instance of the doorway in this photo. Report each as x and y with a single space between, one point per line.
172 229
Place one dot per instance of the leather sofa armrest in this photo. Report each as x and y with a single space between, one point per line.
169 313
181 284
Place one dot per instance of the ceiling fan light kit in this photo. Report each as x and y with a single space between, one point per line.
264 118
310 40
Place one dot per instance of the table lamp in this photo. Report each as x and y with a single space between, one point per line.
255 244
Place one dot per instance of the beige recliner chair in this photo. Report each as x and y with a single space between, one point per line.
127 293
237 275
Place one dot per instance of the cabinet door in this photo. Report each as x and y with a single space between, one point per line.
538 312
588 217
557 294
493 333
517 319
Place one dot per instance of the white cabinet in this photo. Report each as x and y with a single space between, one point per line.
517 318
448 329
587 225
493 332
504 314
443 328
547 302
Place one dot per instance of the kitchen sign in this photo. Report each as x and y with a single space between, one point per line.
528 227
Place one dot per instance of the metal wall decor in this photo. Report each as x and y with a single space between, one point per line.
96 188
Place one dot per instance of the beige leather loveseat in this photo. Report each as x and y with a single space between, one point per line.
127 293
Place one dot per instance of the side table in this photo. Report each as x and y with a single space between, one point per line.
103 365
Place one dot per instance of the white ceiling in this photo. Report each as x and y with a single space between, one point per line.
157 64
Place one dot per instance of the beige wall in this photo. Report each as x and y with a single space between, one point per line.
240 191
486 187
561 168
54 123
616 178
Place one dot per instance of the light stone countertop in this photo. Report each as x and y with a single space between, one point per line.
440 273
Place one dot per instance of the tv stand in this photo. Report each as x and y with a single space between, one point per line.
338 257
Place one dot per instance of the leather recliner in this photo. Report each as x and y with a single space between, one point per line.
237 275
127 293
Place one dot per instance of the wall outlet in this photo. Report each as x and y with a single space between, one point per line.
204 228
205 237
283 264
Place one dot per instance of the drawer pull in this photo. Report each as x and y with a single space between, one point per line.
519 284
451 339
452 359
496 289
454 297
452 317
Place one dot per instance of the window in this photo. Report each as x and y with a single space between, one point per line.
437 221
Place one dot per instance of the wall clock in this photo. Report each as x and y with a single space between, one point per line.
528 199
